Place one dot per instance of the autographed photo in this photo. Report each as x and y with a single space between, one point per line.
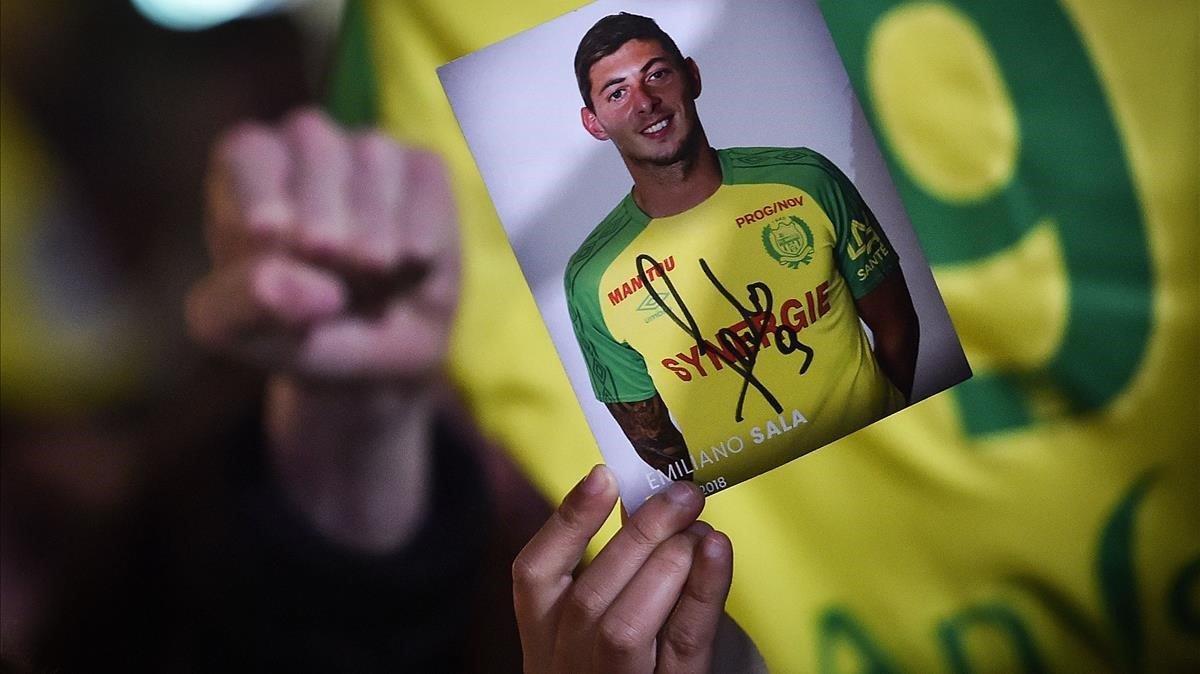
709 230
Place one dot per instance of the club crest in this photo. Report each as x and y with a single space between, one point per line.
788 241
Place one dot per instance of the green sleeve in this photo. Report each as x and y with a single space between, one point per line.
863 253
617 371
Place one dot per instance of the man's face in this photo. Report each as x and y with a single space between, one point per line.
645 103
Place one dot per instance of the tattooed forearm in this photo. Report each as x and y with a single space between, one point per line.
647 424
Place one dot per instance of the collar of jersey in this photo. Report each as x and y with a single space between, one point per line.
642 217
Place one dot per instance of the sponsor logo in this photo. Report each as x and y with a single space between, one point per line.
795 314
863 240
768 210
865 243
634 284
788 241
651 310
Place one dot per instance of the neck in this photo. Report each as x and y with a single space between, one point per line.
354 460
665 190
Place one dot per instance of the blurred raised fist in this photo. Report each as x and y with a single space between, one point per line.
334 254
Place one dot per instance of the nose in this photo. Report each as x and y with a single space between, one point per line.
644 100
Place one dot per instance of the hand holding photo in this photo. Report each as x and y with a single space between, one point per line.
738 307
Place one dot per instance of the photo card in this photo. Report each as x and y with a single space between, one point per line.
709 230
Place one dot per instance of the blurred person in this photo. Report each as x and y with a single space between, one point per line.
336 270
106 120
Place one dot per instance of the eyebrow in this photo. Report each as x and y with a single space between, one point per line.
648 65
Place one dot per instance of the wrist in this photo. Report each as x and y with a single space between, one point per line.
354 459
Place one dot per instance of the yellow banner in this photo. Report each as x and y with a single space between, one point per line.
1042 517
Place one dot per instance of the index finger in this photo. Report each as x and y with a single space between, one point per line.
543 569
248 189
661 517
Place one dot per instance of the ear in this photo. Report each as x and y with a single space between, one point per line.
694 70
592 124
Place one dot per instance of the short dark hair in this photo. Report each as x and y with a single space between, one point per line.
610 34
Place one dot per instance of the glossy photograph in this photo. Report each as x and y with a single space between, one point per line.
707 226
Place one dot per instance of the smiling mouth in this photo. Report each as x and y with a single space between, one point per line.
657 126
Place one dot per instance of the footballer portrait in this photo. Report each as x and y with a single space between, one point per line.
719 307
711 233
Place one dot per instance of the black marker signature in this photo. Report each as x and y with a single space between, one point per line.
745 355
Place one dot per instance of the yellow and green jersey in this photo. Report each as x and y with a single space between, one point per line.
740 312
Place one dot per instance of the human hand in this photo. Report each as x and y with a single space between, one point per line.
650 601
334 253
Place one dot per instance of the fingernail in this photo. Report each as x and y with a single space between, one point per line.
699 529
595 481
682 493
713 546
